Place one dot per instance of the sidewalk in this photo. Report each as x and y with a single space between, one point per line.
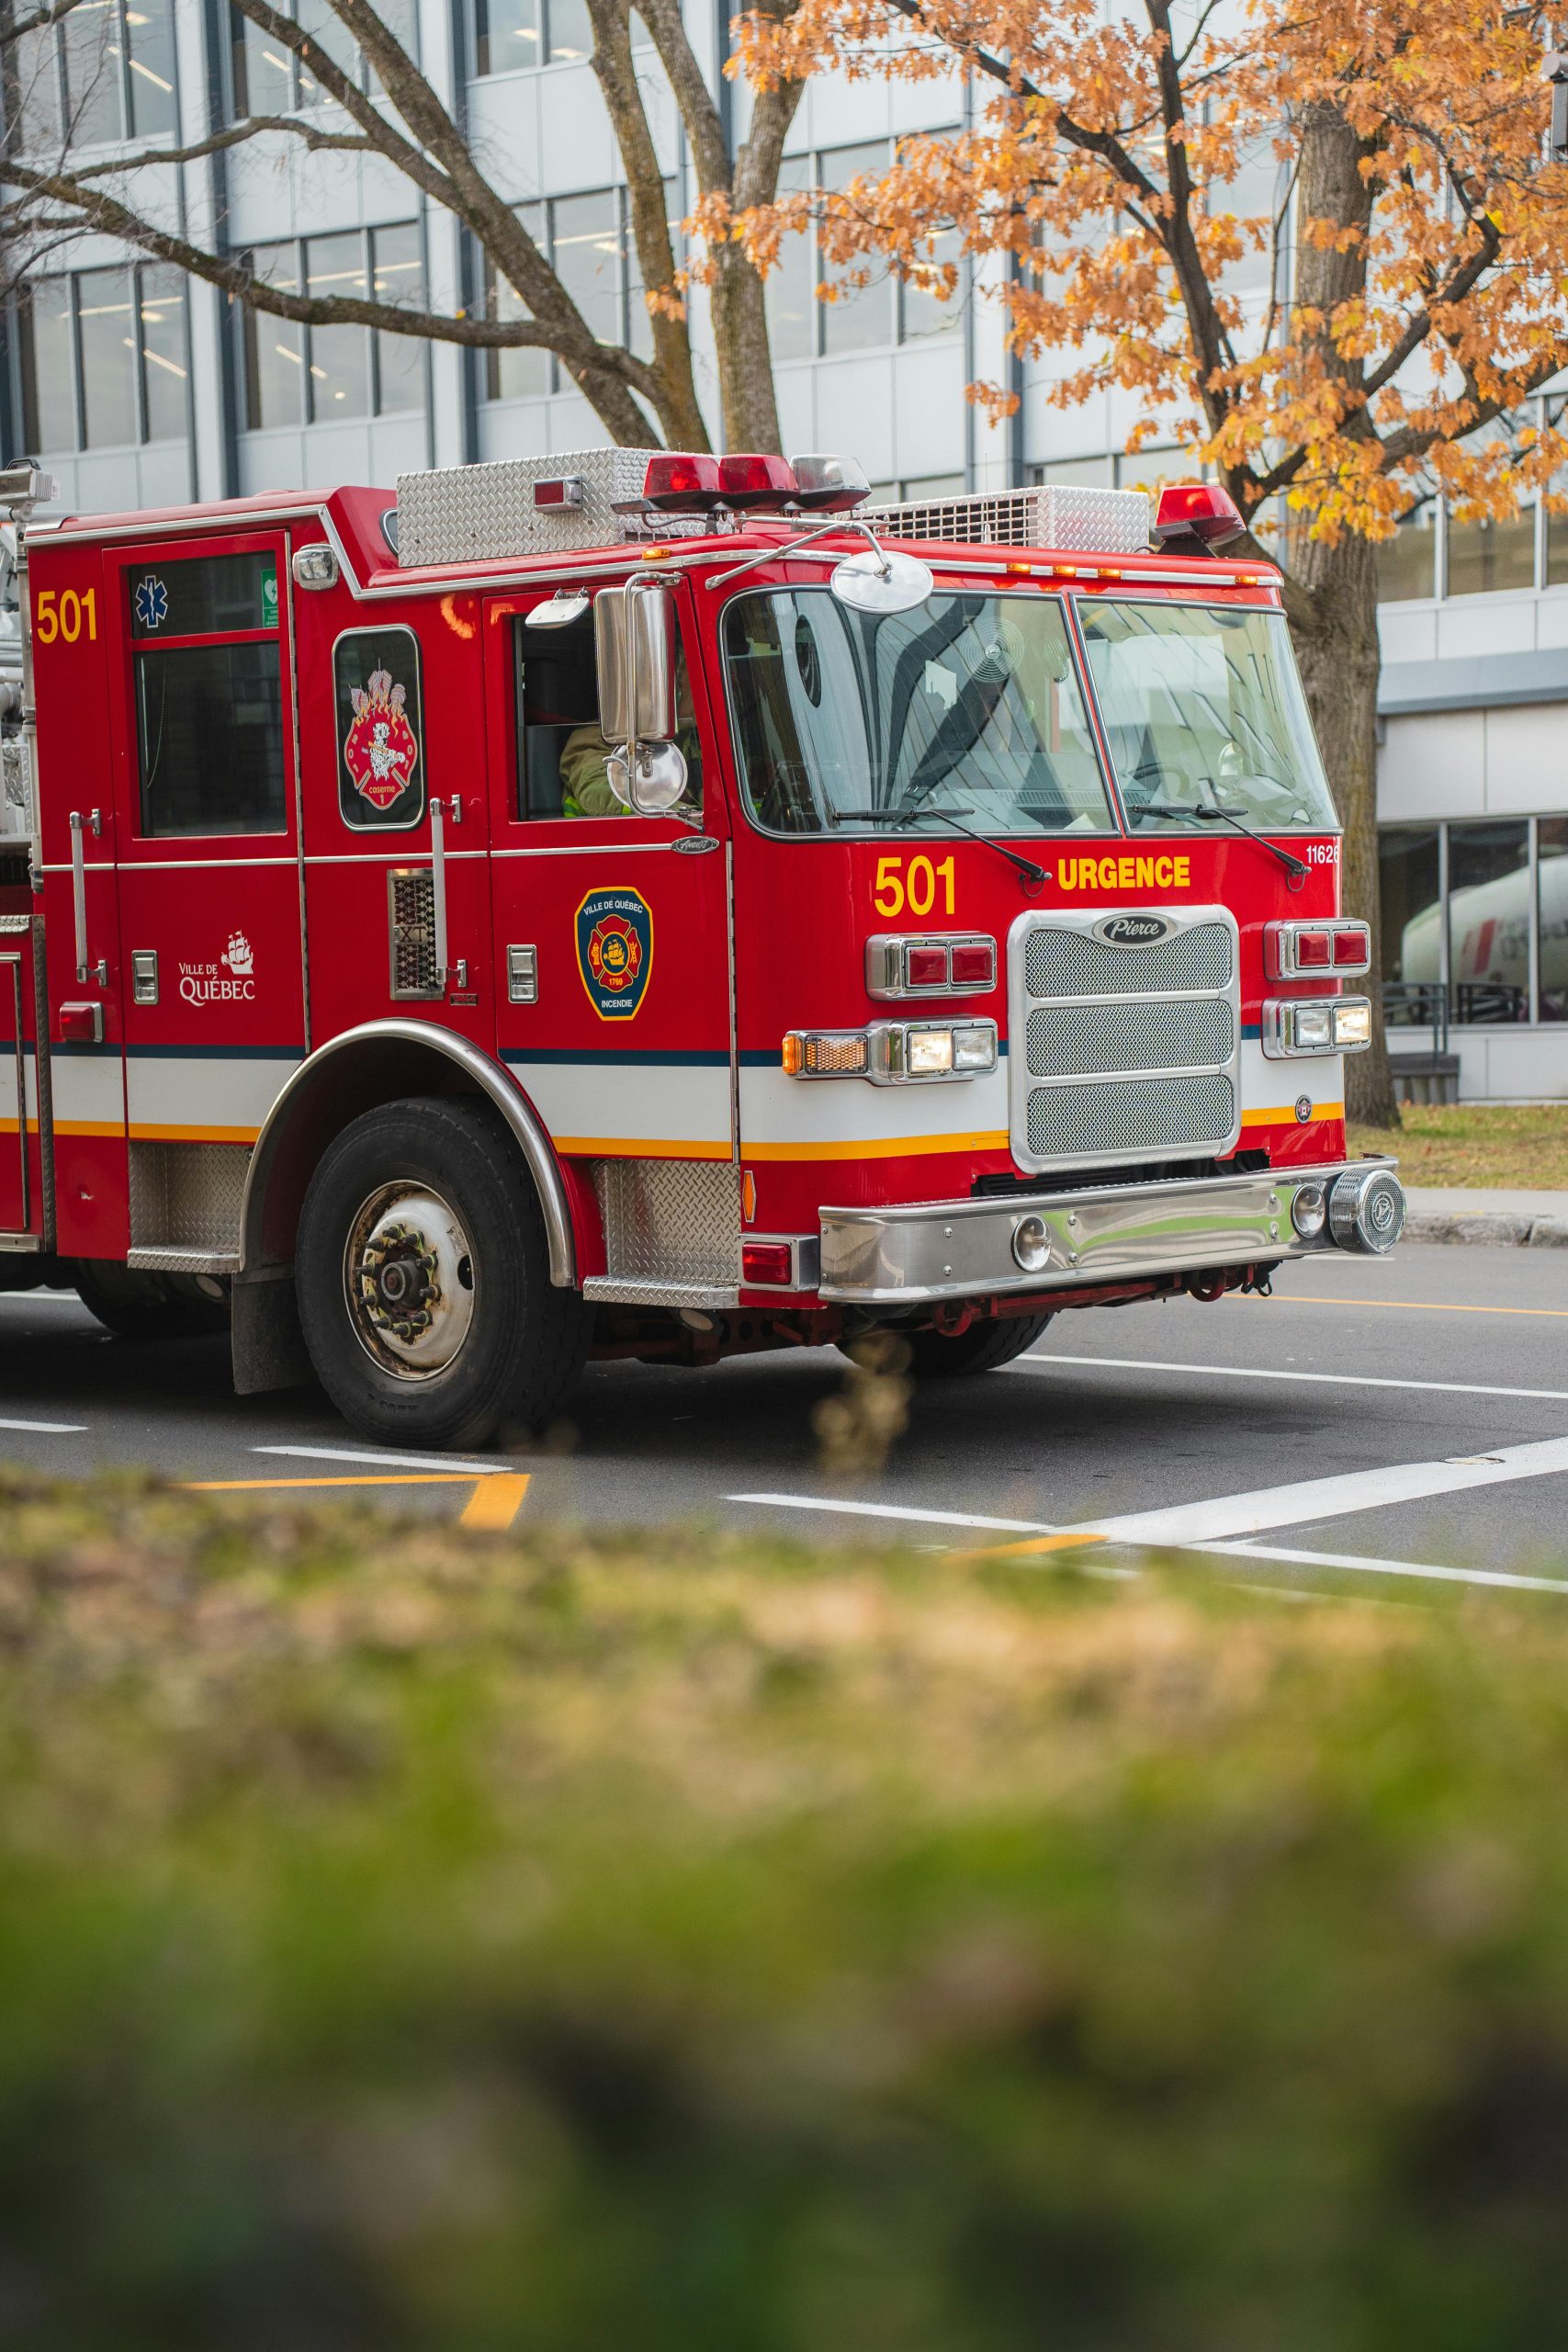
1460 1213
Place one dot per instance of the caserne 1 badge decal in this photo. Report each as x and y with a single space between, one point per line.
614 951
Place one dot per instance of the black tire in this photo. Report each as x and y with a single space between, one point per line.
986 1346
137 1304
449 1326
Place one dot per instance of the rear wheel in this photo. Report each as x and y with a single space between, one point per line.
137 1304
423 1282
986 1346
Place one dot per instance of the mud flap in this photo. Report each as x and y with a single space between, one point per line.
267 1347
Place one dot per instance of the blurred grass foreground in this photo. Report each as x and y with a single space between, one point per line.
413 1942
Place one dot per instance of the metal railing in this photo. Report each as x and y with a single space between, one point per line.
1417 1004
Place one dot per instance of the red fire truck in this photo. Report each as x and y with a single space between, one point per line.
659 906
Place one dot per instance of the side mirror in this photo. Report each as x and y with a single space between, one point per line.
635 641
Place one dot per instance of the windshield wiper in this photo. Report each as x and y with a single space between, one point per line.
1293 865
904 814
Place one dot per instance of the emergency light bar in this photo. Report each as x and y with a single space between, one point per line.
1197 510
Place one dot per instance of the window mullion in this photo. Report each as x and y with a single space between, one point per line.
301 262
123 29
137 356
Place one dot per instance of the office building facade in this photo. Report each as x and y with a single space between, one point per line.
139 387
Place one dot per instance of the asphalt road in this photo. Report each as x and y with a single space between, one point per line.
1408 1414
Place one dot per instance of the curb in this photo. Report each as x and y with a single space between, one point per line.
1492 1231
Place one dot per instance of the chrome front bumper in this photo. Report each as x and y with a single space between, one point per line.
1108 1233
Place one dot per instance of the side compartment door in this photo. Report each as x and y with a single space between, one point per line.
23 1182
208 878
612 954
396 875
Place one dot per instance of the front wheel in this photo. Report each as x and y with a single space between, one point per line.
423 1282
986 1346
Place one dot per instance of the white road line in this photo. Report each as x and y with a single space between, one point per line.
49 1428
897 1510
1315 1498
1391 1567
1247 1371
491 1469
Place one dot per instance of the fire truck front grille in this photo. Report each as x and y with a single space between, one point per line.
1182 1033
1069 963
410 927
1122 1052
1137 1115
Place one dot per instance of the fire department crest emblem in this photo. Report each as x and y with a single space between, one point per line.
381 749
614 951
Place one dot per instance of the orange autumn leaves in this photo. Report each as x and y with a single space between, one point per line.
1322 249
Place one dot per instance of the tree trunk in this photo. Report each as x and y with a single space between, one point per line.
1339 658
745 365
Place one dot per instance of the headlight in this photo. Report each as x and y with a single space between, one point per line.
1327 1024
928 1053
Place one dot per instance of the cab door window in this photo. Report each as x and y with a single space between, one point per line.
208 693
562 758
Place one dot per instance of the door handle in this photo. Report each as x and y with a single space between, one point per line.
80 826
438 886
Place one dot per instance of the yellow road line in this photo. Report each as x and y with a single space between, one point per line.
1068 1540
1414 1307
495 1501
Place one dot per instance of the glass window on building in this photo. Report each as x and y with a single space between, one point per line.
1555 416
1407 564
149 61
585 249
1483 553
107 343
506 35
103 357
93 45
922 309
1410 897
274 349
340 356
397 276
639 322
1489 921
790 286
166 358
30 68
519 374
271 78
48 338
1552 914
861 317
570 31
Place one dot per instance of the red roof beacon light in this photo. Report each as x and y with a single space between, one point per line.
677 484
830 485
756 481
1197 510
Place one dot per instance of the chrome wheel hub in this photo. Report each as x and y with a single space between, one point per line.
408 1278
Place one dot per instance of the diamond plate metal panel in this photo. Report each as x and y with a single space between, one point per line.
471 513
669 1221
1108 522
186 1198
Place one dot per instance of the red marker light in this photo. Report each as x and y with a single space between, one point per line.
81 1024
677 484
756 481
768 1262
974 964
925 966
1353 947
1315 950
1198 510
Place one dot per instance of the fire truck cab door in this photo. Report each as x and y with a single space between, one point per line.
207 872
612 930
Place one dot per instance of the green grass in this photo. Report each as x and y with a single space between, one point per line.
1477 1143
420 1943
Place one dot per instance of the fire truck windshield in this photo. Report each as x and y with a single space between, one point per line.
1205 717
970 705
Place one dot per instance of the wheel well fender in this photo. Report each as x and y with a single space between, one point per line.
379 1062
